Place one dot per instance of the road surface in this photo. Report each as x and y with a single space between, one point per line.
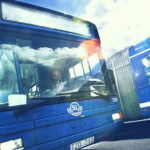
134 136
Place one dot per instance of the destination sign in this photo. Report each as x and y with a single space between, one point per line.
16 13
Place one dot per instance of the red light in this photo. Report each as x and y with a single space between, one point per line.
120 115
144 110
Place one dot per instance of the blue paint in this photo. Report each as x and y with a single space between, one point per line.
112 107
139 74
16 128
136 54
68 128
145 113
46 133
144 94
67 117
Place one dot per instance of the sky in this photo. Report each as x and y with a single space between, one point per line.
120 23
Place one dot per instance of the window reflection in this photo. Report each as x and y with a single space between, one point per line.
71 59
94 63
146 63
8 77
86 68
71 72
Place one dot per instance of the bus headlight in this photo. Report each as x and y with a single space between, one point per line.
117 116
12 144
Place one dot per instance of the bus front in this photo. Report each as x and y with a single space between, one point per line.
55 91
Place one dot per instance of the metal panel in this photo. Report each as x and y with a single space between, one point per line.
120 64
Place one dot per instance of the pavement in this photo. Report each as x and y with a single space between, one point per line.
135 135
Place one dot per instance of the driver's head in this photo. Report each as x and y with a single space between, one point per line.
56 75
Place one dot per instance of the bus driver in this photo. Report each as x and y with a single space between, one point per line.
57 83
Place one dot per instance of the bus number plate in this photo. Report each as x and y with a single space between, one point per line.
82 143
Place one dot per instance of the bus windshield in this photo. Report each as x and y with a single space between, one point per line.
50 66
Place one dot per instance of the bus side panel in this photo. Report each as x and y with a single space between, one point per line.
49 129
139 74
142 87
101 133
67 117
50 111
59 127
94 121
144 97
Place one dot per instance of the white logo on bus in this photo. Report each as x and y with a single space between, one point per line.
114 99
75 109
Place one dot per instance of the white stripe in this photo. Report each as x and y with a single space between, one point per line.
137 121
139 53
139 47
142 105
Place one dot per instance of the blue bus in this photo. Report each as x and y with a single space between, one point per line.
131 68
55 90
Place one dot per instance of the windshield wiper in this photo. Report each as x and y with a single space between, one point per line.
46 101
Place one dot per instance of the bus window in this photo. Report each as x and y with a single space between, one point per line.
8 77
72 73
146 63
38 60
